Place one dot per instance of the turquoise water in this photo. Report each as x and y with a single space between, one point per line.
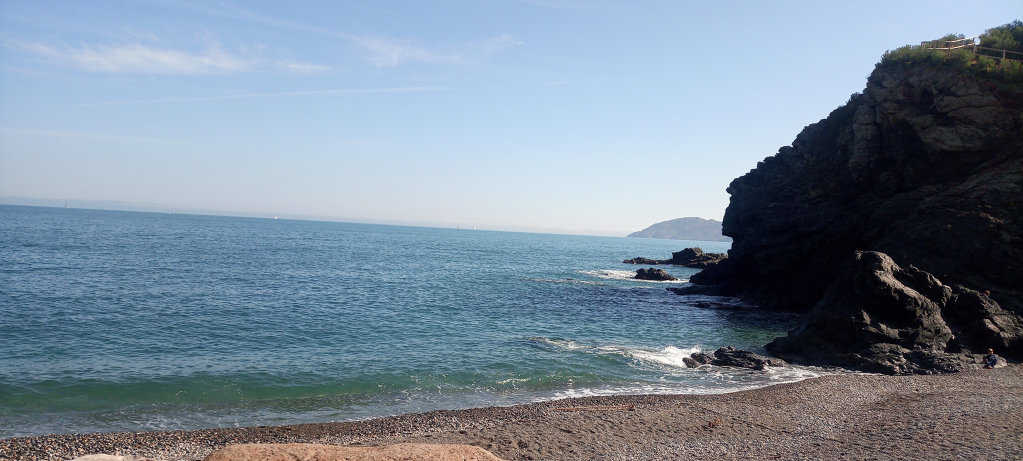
144 321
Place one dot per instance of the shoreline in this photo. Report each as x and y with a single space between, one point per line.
973 414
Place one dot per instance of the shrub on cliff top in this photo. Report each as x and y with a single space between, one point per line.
1007 37
982 62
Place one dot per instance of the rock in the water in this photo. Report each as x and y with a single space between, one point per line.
689 257
700 358
320 452
653 274
696 258
647 261
732 357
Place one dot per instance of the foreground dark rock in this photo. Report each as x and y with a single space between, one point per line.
925 169
880 317
654 274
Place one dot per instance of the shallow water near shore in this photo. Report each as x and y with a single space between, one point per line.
144 321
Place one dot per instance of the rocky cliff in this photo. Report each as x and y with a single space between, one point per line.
887 222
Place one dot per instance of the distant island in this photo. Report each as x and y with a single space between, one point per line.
707 230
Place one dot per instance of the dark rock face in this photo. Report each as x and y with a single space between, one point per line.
695 257
880 317
732 357
653 274
647 261
689 257
926 167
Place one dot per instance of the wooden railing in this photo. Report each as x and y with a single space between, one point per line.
973 44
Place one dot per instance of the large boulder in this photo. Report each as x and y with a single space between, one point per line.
878 316
654 274
732 357
696 258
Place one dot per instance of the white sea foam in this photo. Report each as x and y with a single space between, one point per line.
563 344
513 381
671 355
609 274
581 282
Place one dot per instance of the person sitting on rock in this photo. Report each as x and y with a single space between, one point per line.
990 360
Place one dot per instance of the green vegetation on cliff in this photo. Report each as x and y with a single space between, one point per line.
981 59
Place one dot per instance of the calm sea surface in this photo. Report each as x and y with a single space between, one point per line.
116 321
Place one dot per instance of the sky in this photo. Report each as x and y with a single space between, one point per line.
567 116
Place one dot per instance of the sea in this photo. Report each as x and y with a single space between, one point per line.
131 321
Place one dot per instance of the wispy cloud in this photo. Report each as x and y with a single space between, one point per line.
390 52
140 59
81 135
383 51
281 94
302 67
559 4
494 45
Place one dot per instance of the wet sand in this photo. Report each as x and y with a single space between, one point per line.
977 414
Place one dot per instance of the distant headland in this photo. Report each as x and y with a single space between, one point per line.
707 230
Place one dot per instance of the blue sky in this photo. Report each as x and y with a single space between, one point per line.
573 116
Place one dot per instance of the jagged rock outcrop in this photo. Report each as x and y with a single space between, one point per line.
880 317
732 357
696 258
926 166
646 261
689 257
654 274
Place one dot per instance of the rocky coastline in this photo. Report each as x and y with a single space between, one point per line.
895 225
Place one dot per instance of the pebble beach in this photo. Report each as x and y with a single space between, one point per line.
977 414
